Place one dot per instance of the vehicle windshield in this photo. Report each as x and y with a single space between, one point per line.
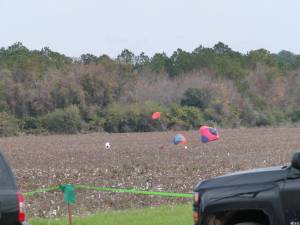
7 180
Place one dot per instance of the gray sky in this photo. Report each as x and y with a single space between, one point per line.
74 27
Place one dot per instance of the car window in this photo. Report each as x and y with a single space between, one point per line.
7 180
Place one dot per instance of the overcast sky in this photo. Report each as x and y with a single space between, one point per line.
74 27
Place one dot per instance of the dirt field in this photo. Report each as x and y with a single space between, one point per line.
145 161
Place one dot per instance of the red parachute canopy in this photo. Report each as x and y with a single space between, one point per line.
155 115
208 134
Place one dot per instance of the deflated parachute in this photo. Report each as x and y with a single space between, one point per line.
208 134
179 139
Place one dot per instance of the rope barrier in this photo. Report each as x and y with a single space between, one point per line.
118 190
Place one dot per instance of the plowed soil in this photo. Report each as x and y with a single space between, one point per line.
147 161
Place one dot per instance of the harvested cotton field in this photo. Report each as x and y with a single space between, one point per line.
146 161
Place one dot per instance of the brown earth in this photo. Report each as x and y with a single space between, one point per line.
147 161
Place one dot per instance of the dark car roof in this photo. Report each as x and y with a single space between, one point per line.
249 177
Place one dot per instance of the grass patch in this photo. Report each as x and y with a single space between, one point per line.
164 215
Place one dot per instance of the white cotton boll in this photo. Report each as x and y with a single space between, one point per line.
107 145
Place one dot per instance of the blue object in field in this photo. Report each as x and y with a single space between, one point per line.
204 139
213 131
179 139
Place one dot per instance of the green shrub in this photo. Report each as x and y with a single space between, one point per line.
216 112
257 101
93 120
30 123
257 118
133 118
184 117
263 119
67 120
115 118
197 97
8 125
279 117
294 115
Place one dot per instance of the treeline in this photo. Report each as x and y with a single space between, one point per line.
43 91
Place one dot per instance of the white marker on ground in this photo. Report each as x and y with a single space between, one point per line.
107 145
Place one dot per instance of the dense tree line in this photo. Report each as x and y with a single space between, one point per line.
45 91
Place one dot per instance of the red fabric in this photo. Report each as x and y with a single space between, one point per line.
156 115
204 131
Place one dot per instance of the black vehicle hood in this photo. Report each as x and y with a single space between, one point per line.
249 177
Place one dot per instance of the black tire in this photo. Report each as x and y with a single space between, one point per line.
248 223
